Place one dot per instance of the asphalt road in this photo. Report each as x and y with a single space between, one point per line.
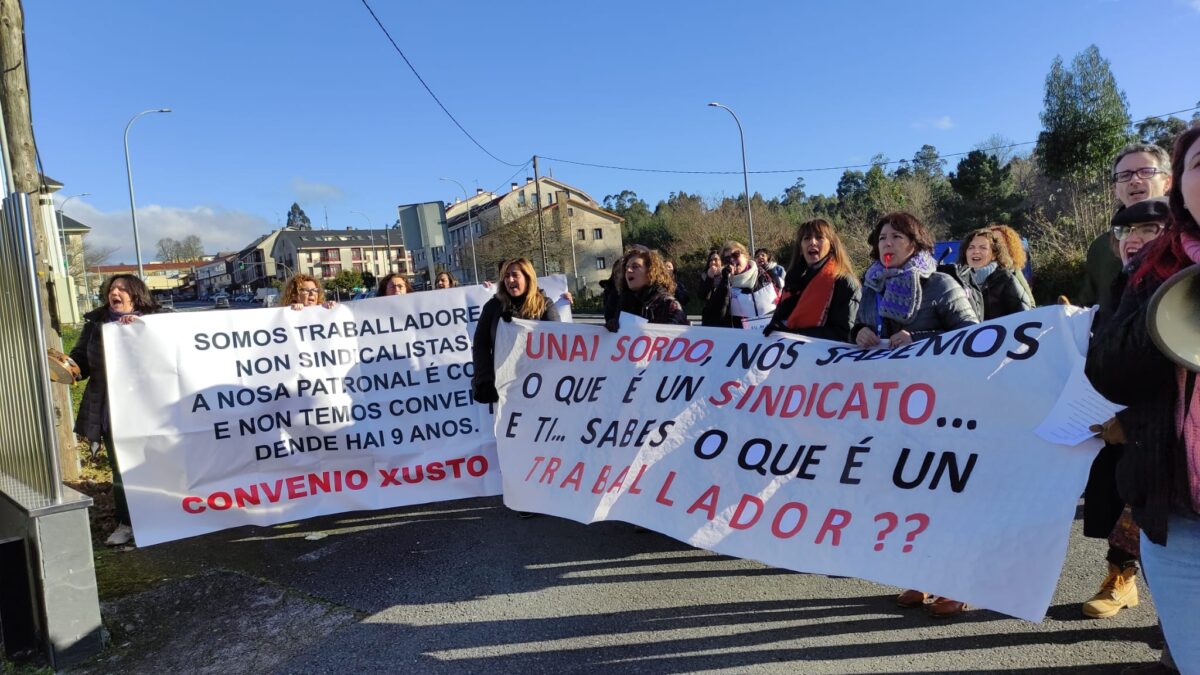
468 587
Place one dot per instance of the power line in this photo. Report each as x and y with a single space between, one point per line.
423 84
817 169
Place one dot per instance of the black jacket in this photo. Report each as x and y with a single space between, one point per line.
91 421
1003 294
1126 367
716 306
843 306
654 304
483 347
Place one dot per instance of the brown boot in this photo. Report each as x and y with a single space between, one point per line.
1116 593
911 598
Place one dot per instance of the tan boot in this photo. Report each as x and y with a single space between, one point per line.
1118 591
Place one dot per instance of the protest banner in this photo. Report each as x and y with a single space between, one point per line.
930 466
264 416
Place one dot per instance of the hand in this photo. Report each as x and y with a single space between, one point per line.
770 328
866 338
567 296
297 306
127 319
900 339
1063 300
1110 431
714 271
613 325
487 284
329 304
507 315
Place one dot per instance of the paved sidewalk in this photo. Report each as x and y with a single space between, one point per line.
466 587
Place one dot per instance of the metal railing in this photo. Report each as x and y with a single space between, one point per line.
29 472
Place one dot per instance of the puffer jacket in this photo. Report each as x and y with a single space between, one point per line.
654 304
944 306
1003 294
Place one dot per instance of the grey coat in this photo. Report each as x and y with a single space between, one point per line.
944 306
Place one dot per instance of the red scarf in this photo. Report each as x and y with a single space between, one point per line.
813 306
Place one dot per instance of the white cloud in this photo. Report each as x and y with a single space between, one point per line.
315 192
219 230
944 122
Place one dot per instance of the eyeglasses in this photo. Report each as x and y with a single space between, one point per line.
1148 230
1145 173
308 291
732 257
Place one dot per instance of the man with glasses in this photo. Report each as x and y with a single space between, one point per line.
1140 171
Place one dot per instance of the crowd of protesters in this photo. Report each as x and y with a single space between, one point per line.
1143 492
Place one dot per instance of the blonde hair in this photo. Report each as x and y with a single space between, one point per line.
534 303
291 288
1012 242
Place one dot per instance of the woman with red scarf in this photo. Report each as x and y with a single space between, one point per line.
821 294
1158 474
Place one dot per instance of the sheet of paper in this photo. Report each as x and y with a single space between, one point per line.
1077 409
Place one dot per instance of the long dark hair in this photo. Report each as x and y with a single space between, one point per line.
143 301
1165 256
819 227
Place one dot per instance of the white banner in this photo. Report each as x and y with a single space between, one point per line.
264 416
918 466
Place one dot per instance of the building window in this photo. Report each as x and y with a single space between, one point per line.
600 264
534 198
597 233
570 211
521 199
582 235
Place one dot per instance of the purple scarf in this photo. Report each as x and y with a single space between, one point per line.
899 290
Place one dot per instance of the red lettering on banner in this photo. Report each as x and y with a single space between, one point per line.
193 504
575 477
633 488
835 520
295 486
736 521
389 477
707 502
536 462
602 479
619 481
662 493
548 472
777 522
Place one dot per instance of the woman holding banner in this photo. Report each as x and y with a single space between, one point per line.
393 284
987 255
302 291
906 299
517 295
126 299
744 290
1158 474
649 290
612 288
820 296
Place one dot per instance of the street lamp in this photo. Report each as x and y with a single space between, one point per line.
470 225
137 249
745 173
371 232
62 236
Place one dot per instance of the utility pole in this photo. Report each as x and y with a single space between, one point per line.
537 186
18 129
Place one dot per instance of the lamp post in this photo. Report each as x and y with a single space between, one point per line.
470 225
137 249
371 232
745 173
62 238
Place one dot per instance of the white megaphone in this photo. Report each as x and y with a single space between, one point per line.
1173 318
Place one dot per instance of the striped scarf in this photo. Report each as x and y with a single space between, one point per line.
899 290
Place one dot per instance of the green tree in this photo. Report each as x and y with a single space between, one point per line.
1159 131
927 163
984 193
851 187
345 282
1085 120
297 219
795 194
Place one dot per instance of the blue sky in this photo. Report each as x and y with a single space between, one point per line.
306 101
